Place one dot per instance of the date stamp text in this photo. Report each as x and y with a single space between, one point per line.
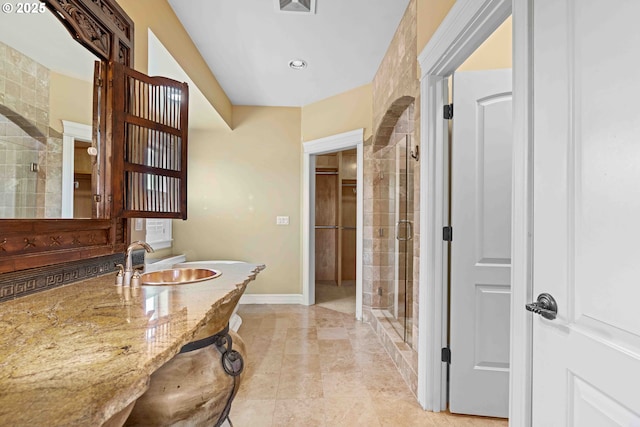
23 8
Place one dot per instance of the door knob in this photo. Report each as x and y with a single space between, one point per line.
545 306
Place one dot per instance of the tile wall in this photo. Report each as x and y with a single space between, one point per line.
30 151
396 100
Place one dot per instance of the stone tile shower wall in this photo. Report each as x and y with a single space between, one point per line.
383 177
396 100
26 139
395 88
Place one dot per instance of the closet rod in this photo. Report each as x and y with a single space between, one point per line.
326 173
346 184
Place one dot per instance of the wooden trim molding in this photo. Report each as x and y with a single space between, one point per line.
106 30
99 25
26 244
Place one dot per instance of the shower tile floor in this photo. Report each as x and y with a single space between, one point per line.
312 366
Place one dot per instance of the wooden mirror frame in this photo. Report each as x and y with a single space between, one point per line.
107 31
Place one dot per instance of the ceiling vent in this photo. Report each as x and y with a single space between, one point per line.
296 6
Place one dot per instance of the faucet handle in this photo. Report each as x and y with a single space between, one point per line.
120 274
135 278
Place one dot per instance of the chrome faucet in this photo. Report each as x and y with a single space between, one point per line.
128 269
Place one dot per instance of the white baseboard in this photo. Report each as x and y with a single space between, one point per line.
235 322
271 299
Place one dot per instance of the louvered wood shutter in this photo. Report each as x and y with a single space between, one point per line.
149 134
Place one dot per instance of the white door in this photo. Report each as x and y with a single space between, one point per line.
586 217
481 246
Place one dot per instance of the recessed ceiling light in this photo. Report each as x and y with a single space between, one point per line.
297 64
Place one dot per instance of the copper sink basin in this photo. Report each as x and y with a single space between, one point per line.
178 276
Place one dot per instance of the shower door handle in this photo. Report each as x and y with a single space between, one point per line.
409 230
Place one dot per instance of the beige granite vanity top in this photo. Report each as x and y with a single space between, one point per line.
78 354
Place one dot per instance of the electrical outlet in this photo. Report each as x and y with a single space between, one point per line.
139 225
282 220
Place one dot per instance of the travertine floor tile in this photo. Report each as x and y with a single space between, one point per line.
333 333
301 363
301 346
336 346
254 413
374 362
309 366
341 361
299 413
344 385
308 333
270 364
258 386
350 412
293 385
329 322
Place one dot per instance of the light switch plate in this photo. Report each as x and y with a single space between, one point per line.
138 225
282 220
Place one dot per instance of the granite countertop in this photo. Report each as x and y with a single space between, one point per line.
78 354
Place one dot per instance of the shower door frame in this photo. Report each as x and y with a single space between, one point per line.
406 243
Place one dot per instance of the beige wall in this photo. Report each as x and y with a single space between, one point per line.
239 181
341 113
69 99
168 29
494 53
158 16
429 15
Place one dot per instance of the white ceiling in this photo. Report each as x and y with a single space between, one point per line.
248 44
50 44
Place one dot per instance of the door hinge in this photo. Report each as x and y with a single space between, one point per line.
446 355
99 82
448 112
447 233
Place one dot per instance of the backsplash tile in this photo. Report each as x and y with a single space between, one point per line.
26 282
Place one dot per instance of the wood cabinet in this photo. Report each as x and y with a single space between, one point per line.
140 169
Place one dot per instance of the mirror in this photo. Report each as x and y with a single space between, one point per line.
46 78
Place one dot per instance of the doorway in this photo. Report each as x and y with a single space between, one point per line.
76 170
479 275
448 49
82 170
335 231
311 150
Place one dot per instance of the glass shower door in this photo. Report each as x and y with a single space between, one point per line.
401 189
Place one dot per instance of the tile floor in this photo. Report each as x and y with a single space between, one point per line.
311 366
338 298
